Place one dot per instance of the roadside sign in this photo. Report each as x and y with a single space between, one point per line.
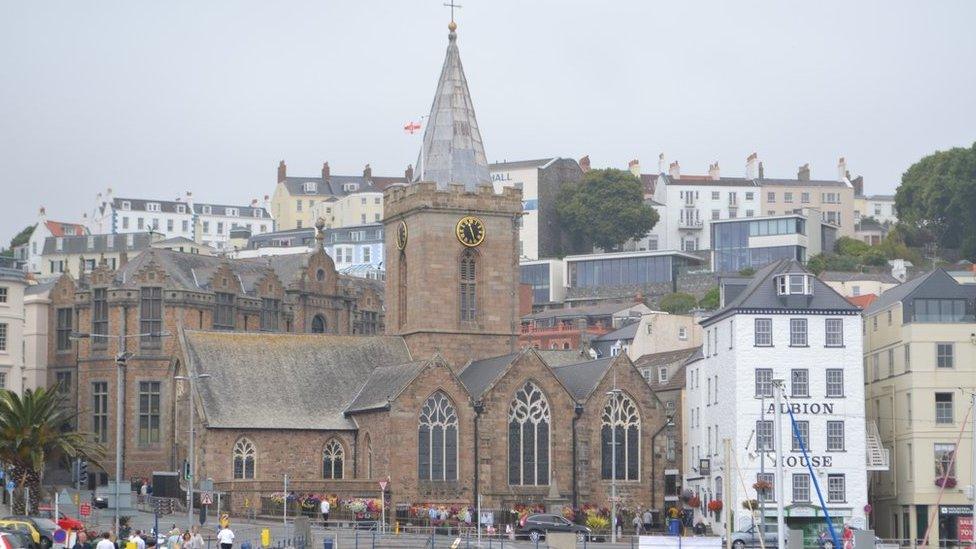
60 536
11 486
383 484
45 507
1 474
84 509
206 498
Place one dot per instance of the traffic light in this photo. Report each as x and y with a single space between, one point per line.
82 472
186 470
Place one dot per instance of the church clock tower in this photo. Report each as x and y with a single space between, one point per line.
452 243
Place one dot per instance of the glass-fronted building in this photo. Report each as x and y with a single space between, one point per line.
751 243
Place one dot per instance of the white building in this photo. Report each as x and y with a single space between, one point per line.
43 229
357 250
207 224
13 285
781 324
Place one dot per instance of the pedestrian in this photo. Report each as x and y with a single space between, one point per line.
637 523
81 542
324 508
648 518
186 542
105 542
143 492
136 538
226 538
197 539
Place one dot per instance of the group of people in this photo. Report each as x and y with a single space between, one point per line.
175 539
643 522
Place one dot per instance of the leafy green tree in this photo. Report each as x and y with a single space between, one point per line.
938 193
846 245
22 237
747 271
710 300
606 208
31 434
678 303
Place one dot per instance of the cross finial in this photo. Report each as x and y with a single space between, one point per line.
452 5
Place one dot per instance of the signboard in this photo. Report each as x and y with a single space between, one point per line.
11 486
383 485
704 467
84 509
45 507
964 525
955 510
206 498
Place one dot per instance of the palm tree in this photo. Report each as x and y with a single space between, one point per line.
31 434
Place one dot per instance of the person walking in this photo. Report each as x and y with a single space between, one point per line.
106 542
226 538
197 539
637 523
325 507
136 538
648 518
81 542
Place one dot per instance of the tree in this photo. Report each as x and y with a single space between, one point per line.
31 433
607 208
22 237
710 301
846 245
678 303
938 193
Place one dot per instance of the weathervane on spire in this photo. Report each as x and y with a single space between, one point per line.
452 5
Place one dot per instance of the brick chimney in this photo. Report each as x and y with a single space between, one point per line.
713 171
803 173
842 169
408 173
367 172
634 167
762 172
751 161
584 163
254 202
325 170
674 170
858 183
661 163
282 171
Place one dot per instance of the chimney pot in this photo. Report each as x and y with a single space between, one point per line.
713 171
634 166
282 171
660 163
325 170
842 169
367 172
803 173
408 173
674 170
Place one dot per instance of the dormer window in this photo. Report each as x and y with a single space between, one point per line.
794 284
350 187
206 209
311 187
181 208
233 212
258 213
126 205
152 206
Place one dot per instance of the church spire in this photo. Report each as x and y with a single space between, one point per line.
452 150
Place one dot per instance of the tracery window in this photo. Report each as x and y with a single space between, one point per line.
318 324
621 425
244 459
528 437
437 439
332 460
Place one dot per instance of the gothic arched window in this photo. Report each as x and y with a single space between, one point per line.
528 437
620 415
332 460
244 459
369 457
468 289
402 291
318 324
437 439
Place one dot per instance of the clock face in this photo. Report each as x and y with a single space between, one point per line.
401 235
470 231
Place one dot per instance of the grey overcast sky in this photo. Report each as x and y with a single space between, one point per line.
155 98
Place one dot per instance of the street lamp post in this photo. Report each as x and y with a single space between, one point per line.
191 460
120 362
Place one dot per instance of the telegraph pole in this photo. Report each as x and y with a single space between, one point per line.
779 486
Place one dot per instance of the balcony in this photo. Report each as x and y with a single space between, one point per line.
693 224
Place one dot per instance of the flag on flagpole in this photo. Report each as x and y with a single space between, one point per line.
412 127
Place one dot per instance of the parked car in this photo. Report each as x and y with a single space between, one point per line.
25 528
749 537
537 526
15 540
45 526
99 502
64 521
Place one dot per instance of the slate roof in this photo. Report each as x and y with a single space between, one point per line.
899 292
79 244
760 293
801 182
169 206
555 358
41 288
478 375
452 151
384 384
600 309
625 332
334 185
582 378
289 381
676 379
839 276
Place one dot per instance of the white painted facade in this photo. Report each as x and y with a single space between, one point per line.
731 360
526 179
13 285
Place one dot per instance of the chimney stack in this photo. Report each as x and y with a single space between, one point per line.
762 172
634 167
751 162
254 202
803 173
674 170
408 173
325 170
713 171
42 213
842 169
282 171
367 172
858 183
584 163
660 163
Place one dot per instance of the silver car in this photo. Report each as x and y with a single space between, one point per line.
749 537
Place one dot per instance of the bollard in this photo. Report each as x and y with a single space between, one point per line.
373 545
356 530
